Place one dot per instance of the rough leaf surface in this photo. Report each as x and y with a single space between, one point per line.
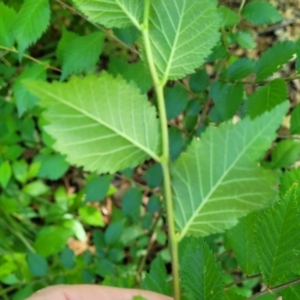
81 54
261 12
112 13
219 180
278 239
241 240
7 17
266 98
182 34
273 59
201 274
100 123
30 23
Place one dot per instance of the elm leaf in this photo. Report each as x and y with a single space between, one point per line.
101 123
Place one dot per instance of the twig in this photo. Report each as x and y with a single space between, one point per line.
150 244
287 79
107 32
277 26
275 289
14 50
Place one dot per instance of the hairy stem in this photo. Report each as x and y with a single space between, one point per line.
165 158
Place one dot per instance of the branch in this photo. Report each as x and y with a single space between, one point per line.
275 289
152 235
46 65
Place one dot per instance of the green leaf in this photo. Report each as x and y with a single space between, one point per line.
5 173
245 39
292 292
241 240
201 275
81 53
266 98
97 188
76 228
219 51
199 81
297 49
91 215
99 122
36 188
154 204
295 120
37 264
51 239
136 72
67 258
113 233
261 12
156 279
177 52
112 13
24 292
30 23
191 114
53 166
7 18
176 99
241 68
277 239
20 170
286 153
230 295
218 179
23 98
154 176
288 179
147 221
229 18
131 203
176 142
128 35
227 98
131 234
63 44
273 59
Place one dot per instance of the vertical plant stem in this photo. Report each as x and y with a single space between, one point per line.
165 158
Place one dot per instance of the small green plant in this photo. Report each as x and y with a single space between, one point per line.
225 187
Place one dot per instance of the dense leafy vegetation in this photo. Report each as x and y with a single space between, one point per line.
141 147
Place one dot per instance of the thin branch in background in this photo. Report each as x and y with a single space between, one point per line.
275 289
241 7
107 32
47 66
142 262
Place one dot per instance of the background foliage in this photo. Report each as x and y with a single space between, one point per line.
81 197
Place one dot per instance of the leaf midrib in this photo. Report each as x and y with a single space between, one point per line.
174 48
87 114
